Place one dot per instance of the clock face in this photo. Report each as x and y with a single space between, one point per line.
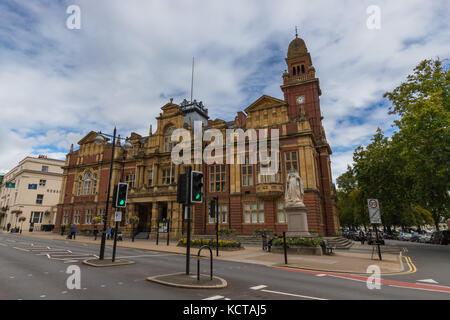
300 99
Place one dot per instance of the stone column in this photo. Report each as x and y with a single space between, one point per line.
155 216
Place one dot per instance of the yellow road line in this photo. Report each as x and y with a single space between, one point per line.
412 268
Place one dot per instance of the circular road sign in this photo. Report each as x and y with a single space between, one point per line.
373 203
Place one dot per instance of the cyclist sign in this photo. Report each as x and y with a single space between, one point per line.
374 211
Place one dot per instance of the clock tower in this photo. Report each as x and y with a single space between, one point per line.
300 86
301 93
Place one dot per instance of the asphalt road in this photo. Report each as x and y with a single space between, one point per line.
33 268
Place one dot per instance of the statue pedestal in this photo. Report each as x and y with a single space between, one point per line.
297 222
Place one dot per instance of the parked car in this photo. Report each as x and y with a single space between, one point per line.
436 237
425 238
387 236
415 237
441 237
373 237
404 236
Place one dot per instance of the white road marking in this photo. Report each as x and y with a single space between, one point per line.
214 298
321 275
103 286
428 281
433 290
12 277
21 249
258 287
293 295
64 292
3 245
120 283
43 296
30 275
146 255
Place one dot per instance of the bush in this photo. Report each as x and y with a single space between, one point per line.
259 231
307 242
226 231
210 242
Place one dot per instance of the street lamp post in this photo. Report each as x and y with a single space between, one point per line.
99 140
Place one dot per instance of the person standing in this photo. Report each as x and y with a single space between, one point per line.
361 236
63 229
108 233
73 231
8 226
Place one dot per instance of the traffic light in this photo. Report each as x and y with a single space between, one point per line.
181 188
121 195
196 187
212 209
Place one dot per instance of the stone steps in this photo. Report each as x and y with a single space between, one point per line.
339 242
142 235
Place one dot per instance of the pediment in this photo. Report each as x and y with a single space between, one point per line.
265 102
169 106
88 138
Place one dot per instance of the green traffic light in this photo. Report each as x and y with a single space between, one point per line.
122 202
197 197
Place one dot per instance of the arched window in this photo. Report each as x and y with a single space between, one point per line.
80 181
167 142
94 183
298 70
87 183
303 68
293 71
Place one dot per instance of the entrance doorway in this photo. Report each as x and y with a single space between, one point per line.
145 217
162 211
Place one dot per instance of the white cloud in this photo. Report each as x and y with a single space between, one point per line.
128 60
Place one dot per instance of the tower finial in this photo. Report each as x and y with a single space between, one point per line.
296 33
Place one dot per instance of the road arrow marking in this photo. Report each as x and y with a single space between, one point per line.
214 298
258 287
293 295
428 281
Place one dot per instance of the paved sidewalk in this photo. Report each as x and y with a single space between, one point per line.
354 260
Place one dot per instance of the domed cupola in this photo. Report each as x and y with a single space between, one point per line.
297 48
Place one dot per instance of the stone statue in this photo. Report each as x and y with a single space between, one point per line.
294 190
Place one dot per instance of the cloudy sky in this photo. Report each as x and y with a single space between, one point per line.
131 56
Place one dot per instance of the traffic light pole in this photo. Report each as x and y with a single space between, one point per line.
216 200
188 217
115 242
105 216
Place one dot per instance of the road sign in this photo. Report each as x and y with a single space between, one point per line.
374 211
117 216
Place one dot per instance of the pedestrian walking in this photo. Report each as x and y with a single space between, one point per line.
108 233
63 229
73 231
8 226
95 232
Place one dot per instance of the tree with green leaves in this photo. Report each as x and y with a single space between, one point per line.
409 173
422 103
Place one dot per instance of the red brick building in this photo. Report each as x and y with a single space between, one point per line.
247 200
